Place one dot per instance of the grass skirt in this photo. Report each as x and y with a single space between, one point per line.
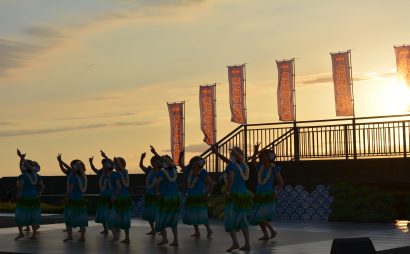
75 213
167 213
196 210
120 213
27 211
236 212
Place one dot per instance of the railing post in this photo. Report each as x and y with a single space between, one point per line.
346 142
245 141
354 139
296 143
404 140
216 160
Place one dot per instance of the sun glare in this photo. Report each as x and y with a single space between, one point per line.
398 96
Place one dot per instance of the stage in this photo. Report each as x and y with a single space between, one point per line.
293 238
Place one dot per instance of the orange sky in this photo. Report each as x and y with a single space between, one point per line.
97 75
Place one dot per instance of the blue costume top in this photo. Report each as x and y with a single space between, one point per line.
199 187
168 188
28 189
120 176
105 181
268 186
75 181
238 185
150 188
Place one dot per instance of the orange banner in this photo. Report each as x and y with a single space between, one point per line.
286 86
403 62
236 78
176 116
207 110
342 83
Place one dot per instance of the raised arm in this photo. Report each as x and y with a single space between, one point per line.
103 155
63 166
96 170
255 153
181 160
143 168
153 151
220 156
22 157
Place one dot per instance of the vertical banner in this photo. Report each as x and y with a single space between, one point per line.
286 86
403 62
176 117
236 76
207 109
342 83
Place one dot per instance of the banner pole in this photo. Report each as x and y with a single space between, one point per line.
353 105
246 115
183 135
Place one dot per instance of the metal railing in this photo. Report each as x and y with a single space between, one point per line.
348 138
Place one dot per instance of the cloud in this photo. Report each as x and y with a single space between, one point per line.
105 115
14 53
43 32
193 148
24 132
7 123
321 78
18 52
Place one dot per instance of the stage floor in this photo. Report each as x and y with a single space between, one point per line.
293 238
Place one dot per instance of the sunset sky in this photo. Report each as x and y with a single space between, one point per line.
80 76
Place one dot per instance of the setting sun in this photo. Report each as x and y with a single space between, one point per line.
398 96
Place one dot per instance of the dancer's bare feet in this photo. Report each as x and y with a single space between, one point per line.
68 239
209 234
114 239
82 239
151 233
163 242
126 241
245 248
19 237
273 234
264 238
196 234
233 247
33 237
174 243
105 232
27 229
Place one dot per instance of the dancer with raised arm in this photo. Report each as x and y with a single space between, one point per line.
28 197
120 213
150 197
196 206
106 191
263 208
237 197
75 210
168 204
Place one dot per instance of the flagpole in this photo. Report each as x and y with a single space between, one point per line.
246 114
183 135
353 105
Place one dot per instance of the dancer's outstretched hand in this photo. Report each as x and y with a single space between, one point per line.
21 155
143 155
59 156
91 159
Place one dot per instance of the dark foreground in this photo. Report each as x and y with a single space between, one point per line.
293 238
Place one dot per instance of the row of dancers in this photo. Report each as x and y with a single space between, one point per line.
161 198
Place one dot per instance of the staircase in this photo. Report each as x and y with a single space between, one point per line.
345 138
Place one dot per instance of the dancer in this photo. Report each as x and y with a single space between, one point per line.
168 204
120 213
237 197
263 208
106 192
75 210
150 198
196 206
28 197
